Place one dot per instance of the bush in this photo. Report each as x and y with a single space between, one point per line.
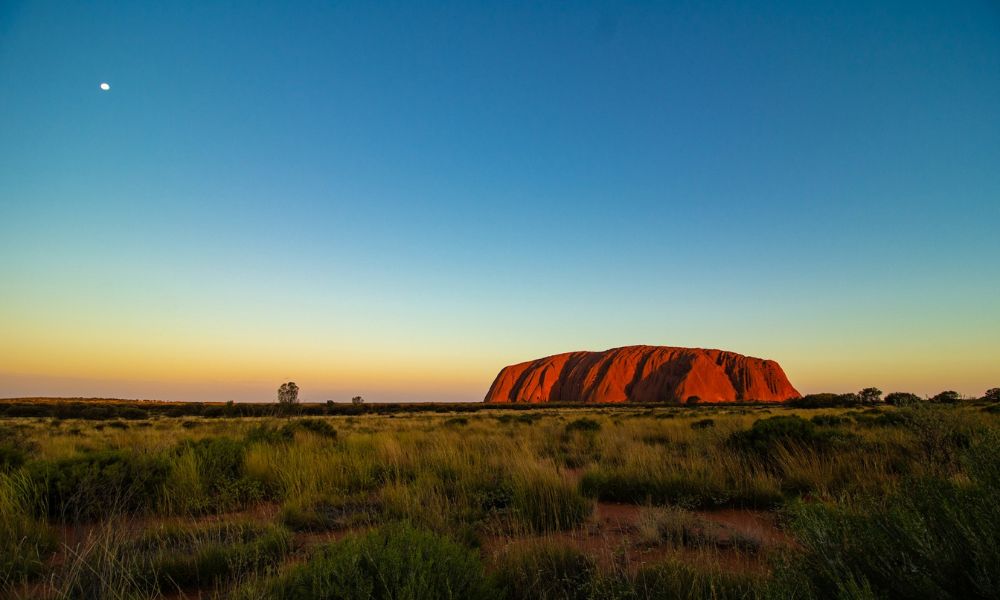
96 413
221 483
24 541
942 436
889 419
12 452
765 435
99 484
132 414
829 420
586 425
676 580
169 559
703 424
11 457
670 525
267 434
546 571
949 397
902 399
826 400
944 535
544 501
687 483
392 562
327 514
319 427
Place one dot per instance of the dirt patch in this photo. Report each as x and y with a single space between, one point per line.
613 539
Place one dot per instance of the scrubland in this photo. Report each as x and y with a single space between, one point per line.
623 503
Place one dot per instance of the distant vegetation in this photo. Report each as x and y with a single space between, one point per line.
104 409
869 496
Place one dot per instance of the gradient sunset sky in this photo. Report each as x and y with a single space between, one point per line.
397 199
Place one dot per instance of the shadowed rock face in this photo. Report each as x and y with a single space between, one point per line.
643 374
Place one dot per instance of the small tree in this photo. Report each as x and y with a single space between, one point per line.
992 395
948 397
870 395
357 400
693 400
902 399
288 393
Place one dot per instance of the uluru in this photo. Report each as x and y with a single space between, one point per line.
643 374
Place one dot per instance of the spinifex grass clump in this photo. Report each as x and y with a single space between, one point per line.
329 513
544 501
767 434
829 420
583 425
24 540
173 558
677 580
14 449
319 427
934 538
651 474
391 562
98 484
545 571
209 475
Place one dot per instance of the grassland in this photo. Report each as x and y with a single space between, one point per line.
595 502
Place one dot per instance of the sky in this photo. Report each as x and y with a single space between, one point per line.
396 199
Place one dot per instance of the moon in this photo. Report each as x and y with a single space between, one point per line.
105 86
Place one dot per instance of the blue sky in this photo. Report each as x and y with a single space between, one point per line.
397 200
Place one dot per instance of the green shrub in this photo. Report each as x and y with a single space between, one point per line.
327 514
393 562
765 435
676 580
902 399
96 413
11 456
614 485
942 435
943 535
544 501
703 424
947 397
319 427
545 571
587 425
670 525
99 484
223 484
24 540
889 419
267 434
132 414
829 420
456 421
169 559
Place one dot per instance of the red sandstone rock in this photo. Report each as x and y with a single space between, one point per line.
643 374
